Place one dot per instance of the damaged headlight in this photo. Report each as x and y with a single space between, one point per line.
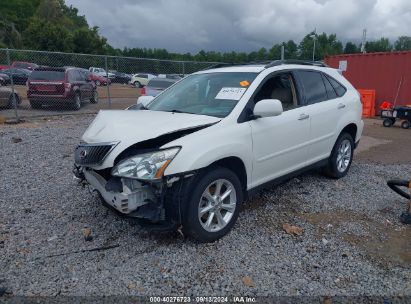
148 166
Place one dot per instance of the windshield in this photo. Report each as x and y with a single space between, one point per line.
213 94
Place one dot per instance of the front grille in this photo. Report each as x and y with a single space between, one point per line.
91 154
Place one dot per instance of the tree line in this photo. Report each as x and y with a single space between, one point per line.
51 25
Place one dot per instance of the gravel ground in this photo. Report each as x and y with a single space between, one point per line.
352 244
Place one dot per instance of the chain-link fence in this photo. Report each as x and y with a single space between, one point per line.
38 83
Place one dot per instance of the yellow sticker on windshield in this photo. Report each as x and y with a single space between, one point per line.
244 83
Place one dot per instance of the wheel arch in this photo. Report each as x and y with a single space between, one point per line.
351 129
237 166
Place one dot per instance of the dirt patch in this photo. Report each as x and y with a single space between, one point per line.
384 145
381 242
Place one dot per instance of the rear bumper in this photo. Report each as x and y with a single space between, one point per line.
50 98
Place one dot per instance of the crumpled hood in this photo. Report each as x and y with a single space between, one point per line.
130 127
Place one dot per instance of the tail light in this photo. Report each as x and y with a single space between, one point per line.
143 91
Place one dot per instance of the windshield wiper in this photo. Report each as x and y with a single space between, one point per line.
176 111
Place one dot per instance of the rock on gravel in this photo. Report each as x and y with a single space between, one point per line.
44 252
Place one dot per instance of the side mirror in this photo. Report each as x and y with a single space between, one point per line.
144 100
268 108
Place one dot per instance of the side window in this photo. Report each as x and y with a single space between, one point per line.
281 87
338 87
314 87
80 75
144 76
328 87
71 76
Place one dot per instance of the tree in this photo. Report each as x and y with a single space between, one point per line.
275 52
291 50
351 48
88 41
381 45
46 36
403 43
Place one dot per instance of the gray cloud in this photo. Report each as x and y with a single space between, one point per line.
226 25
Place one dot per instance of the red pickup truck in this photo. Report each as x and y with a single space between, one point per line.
20 65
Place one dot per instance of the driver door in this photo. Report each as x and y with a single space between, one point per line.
280 143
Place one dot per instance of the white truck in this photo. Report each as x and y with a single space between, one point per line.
101 72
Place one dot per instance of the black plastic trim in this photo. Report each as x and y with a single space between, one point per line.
280 180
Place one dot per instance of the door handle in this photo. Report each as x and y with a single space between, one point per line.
341 106
303 116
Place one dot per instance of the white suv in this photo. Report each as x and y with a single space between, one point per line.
141 79
189 157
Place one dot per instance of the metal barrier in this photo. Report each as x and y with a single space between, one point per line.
39 83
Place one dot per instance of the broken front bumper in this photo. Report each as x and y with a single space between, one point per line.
127 201
159 202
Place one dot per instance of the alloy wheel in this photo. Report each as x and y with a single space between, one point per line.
344 155
217 205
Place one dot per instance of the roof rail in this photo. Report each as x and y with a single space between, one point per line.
223 64
295 61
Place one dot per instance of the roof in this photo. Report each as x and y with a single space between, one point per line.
258 67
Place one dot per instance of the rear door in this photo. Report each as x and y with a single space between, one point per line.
84 86
324 108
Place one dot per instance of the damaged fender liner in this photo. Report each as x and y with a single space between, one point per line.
157 142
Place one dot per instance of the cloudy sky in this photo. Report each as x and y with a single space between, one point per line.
240 25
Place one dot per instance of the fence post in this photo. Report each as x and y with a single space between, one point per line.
108 87
12 87
184 69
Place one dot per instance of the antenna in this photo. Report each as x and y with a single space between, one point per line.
364 39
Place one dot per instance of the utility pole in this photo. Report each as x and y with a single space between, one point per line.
282 52
314 36
364 39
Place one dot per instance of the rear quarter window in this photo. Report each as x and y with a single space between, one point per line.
338 87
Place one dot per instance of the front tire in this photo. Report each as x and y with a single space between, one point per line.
341 157
94 99
137 84
214 205
388 122
98 83
76 102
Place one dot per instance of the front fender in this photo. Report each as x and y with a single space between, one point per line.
207 146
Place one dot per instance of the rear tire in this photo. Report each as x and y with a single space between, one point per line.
137 84
35 104
98 83
405 124
341 157
94 99
14 102
76 102
388 122
223 208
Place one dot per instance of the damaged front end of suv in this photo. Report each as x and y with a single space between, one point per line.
130 177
